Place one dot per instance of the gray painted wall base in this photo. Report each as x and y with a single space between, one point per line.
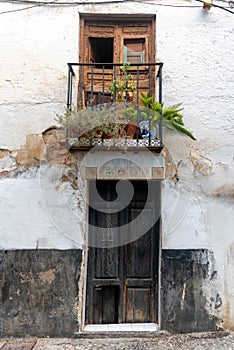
183 301
38 292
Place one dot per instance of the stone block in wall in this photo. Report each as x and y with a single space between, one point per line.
33 152
55 141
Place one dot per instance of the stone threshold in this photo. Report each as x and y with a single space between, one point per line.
120 334
148 334
122 327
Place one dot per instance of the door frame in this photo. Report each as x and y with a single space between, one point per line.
134 327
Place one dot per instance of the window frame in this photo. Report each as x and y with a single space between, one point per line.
138 27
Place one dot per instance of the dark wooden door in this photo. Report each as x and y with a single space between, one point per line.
122 281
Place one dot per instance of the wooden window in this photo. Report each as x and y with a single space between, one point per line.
107 39
134 51
114 40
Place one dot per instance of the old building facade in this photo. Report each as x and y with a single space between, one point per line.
56 277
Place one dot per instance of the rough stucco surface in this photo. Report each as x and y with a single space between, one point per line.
33 78
38 292
184 300
37 203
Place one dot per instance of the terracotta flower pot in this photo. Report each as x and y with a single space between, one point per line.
131 128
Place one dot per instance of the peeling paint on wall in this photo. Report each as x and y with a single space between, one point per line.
200 162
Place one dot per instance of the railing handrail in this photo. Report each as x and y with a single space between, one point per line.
83 64
115 64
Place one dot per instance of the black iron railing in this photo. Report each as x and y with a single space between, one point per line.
91 85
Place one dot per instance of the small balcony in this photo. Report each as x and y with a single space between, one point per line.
106 106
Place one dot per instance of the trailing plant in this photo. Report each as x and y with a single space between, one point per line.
171 116
123 86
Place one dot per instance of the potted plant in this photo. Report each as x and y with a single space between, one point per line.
85 126
130 113
171 116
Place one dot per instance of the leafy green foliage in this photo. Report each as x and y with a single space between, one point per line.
130 113
125 85
171 116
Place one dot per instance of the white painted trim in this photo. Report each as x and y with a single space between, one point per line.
160 264
86 248
159 278
122 327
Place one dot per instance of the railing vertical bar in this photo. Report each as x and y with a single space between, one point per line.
114 92
68 102
149 80
68 87
160 101
160 85
137 101
103 83
81 86
149 76
137 85
126 100
114 97
92 86
138 119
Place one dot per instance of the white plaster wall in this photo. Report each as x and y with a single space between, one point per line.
40 211
197 48
35 47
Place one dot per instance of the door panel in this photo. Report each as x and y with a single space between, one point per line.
106 304
122 281
138 305
138 258
106 263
